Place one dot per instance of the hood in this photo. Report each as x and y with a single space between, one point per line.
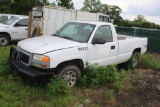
3 25
45 44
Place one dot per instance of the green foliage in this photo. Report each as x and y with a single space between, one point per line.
148 61
140 18
23 7
95 6
66 3
114 13
5 68
140 21
57 87
96 75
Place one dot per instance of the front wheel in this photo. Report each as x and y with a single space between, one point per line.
69 73
4 40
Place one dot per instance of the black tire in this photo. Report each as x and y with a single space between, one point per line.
4 40
70 74
135 60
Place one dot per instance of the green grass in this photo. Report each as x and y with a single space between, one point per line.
149 61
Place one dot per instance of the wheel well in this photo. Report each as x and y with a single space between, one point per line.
137 50
7 34
77 62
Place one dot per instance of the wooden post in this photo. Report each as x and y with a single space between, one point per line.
29 24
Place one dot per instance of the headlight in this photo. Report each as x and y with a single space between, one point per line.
41 61
41 58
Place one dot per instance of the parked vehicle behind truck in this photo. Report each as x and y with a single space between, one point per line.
13 29
5 17
66 52
47 20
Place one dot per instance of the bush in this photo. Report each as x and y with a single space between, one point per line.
148 61
57 87
98 75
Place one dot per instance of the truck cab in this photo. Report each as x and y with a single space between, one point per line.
5 17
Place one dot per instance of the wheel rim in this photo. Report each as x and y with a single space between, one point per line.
3 41
70 77
135 61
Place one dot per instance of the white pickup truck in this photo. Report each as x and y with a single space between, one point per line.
13 29
66 52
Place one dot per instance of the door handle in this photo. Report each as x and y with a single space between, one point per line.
112 47
26 29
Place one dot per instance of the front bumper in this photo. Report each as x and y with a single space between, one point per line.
29 73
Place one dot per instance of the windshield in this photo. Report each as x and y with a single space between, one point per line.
10 21
75 31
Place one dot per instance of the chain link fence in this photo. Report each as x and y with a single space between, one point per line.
153 36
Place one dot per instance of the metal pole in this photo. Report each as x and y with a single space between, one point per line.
134 31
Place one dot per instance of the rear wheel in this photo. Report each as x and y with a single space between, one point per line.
132 63
4 40
69 73
135 60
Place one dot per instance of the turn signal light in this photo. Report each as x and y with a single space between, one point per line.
45 59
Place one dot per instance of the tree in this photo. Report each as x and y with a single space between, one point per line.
21 7
5 6
104 9
66 3
93 6
96 6
140 18
114 13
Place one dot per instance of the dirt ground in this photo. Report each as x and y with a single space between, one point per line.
145 92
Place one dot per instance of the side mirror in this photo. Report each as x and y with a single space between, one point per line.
98 41
16 25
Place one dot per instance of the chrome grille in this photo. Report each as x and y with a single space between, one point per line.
24 58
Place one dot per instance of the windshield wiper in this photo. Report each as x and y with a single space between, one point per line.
67 37
55 34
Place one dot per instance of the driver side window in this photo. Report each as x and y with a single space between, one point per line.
22 22
105 33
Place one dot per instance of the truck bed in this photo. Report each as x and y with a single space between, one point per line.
127 44
124 37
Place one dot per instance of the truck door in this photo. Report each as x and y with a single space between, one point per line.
20 29
103 54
